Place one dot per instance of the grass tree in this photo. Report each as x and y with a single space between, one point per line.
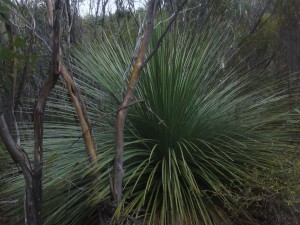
202 127
203 131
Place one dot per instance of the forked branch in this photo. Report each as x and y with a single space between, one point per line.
121 115
135 74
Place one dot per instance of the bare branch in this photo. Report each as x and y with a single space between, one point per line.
50 12
46 89
12 148
81 113
159 42
19 156
12 77
121 115
31 27
39 113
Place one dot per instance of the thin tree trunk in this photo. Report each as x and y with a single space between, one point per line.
12 78
121 115
135 74
32 212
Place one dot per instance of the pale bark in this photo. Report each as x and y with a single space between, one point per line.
121 115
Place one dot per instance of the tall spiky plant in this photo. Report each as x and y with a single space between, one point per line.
203 129
201 124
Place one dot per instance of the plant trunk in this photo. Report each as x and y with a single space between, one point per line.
33 206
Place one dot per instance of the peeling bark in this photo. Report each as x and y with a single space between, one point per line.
33 176
81 113
135 74
121 115
34 191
